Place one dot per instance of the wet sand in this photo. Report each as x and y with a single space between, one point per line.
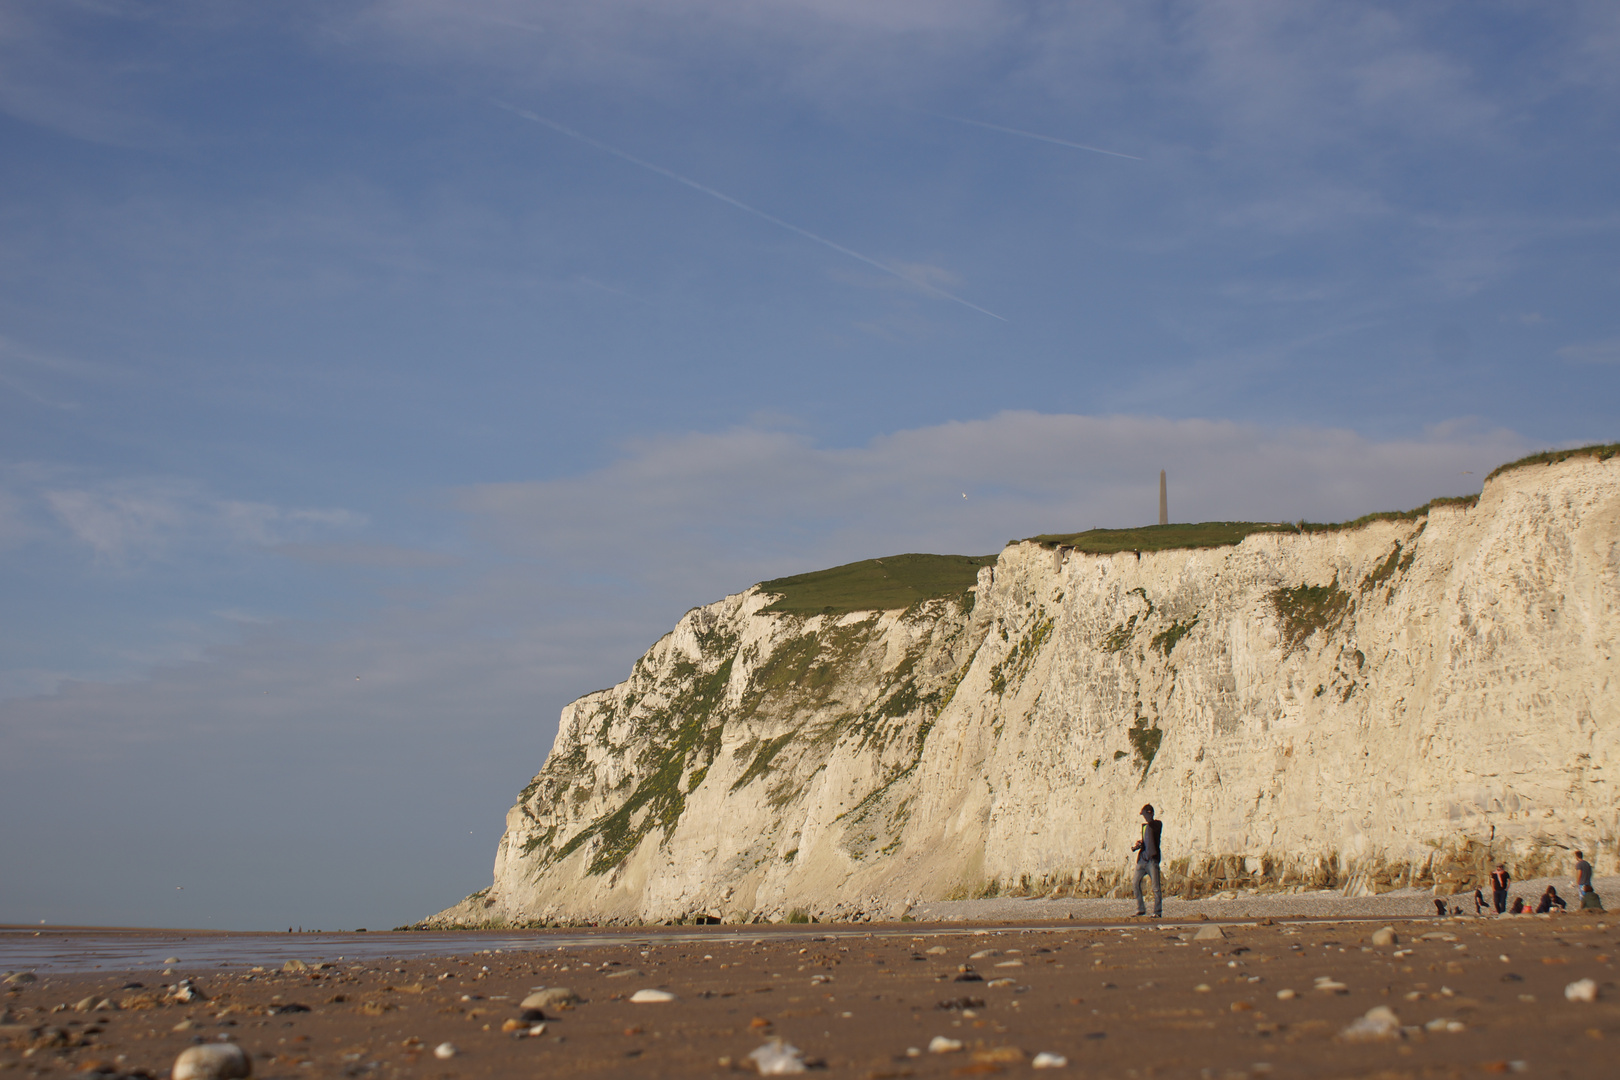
1140 1000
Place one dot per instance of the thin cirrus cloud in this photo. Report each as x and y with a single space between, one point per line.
1310 73
123 522
390 556
52 78
919 281
1606 351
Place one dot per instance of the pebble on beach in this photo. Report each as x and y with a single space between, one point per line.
444 1052
212 1061
1385 936
549 997
1210 933
1048 1060
939 1044
649 997
1380 1024
1581 990
777 1058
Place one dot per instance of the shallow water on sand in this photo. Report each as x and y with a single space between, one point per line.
85 949
28 949
128 950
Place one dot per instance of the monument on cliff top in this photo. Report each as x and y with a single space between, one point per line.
1164 502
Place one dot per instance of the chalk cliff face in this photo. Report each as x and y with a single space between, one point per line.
1369 708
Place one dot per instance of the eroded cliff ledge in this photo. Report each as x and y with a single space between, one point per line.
1384 705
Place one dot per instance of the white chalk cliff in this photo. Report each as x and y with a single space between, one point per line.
1373 707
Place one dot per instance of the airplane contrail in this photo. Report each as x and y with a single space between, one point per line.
740 205
1034 135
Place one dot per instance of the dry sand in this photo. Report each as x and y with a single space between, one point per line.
1148 999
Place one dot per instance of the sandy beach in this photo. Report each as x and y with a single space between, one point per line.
1206 998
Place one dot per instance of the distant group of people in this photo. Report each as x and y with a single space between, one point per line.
1147 869
1548 902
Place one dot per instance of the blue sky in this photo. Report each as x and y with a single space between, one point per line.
376 377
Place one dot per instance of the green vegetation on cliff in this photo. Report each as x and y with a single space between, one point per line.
898 581
1205 534
1601 451
1305 609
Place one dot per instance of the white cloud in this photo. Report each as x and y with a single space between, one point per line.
372 555
127 521
1593 352
56 80
120 524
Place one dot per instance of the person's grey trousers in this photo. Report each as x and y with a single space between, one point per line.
1148 868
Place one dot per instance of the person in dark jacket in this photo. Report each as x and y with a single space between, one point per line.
1499 888
1147 862
1549 900
1583 876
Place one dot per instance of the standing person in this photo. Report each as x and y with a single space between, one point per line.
1583 876
1147 862
1499 888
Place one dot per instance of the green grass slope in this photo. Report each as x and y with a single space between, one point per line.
1205 534
876 584
1601 451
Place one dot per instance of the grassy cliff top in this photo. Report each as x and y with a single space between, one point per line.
902 580
1205 534
875 584
1601 451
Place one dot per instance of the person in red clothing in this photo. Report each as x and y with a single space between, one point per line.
1499 888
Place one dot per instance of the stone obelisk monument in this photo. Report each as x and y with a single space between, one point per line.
1164 501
